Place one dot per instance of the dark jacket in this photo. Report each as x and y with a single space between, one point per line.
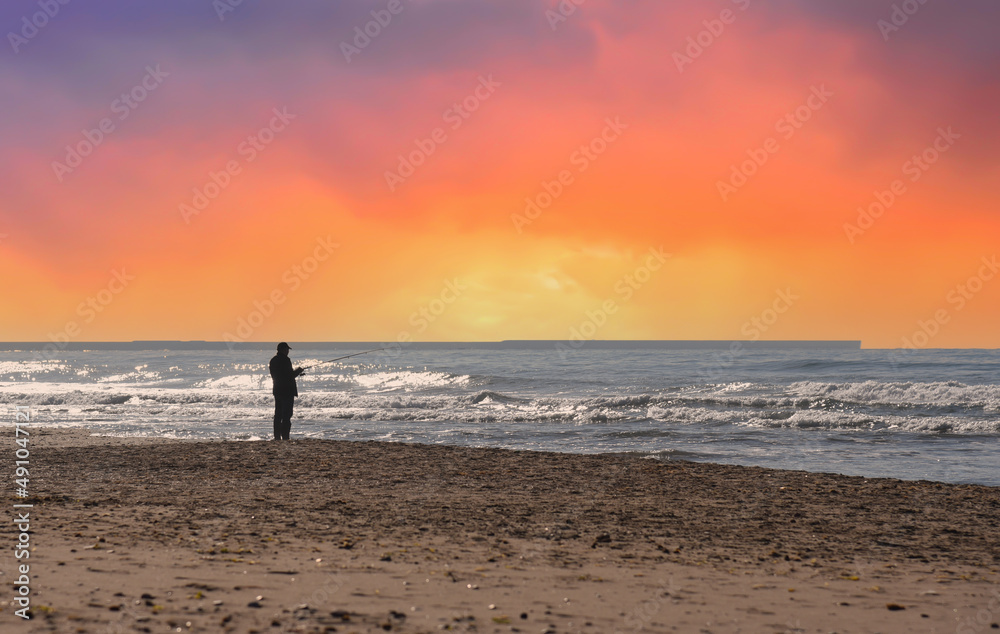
283 376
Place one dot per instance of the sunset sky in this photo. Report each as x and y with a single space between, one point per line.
252 151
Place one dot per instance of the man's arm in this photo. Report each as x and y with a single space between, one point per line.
289 371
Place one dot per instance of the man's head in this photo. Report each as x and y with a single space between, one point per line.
283 348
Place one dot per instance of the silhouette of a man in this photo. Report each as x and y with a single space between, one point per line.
285 390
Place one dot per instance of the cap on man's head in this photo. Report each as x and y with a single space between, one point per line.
284 346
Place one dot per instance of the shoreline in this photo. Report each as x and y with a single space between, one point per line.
79 435
631 544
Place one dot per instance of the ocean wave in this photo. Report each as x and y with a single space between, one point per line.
236 382
487 397
844 421
908 394
944 407
637 400
137 377
30 368
406 379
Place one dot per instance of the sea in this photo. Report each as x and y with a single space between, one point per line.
914 415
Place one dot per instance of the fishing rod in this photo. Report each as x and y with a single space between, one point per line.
346 356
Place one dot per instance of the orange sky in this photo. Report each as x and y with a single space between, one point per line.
451 253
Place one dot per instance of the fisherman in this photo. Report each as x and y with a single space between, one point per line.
285 390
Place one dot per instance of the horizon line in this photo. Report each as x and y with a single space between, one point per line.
508 344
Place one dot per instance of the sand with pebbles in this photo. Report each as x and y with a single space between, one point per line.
328 536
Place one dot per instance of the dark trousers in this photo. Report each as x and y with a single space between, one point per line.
283 416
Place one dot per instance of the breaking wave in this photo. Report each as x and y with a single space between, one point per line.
943 407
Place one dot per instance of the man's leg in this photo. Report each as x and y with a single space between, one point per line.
286 428
279 409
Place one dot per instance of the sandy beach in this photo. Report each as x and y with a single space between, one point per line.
327 536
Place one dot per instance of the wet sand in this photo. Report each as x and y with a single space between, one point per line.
315 536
